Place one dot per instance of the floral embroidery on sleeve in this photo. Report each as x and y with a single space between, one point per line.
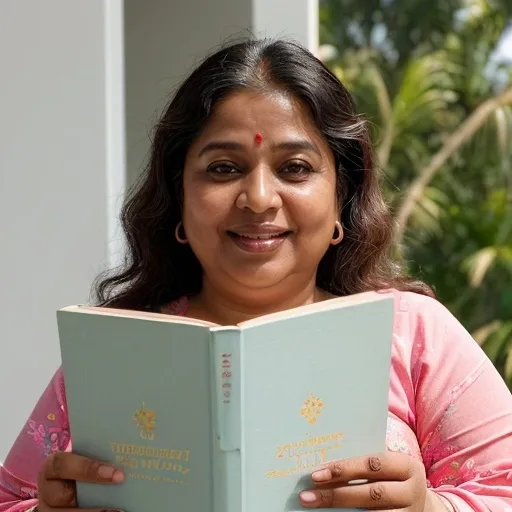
10 483
446 460
50 437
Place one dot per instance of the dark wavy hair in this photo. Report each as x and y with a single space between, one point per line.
157 269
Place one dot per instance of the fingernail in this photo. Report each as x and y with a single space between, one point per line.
117 478
106 472
110 473
321 476
308 496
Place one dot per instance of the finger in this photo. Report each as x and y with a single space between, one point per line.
371 496
70 466
57 493
386 466
61 470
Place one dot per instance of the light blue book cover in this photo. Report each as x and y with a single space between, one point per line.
204 418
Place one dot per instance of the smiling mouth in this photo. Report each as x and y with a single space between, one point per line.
266 236
259 242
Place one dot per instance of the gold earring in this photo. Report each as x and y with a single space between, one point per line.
339 235
180 239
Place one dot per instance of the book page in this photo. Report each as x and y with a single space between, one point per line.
326 305
159 317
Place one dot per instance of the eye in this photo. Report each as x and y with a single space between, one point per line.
296 170
223 170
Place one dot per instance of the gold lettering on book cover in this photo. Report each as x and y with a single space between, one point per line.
141 461
303 455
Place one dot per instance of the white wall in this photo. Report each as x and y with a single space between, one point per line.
62 147
56 179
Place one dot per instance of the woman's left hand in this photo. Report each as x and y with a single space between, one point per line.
394 481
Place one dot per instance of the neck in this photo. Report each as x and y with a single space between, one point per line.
224 307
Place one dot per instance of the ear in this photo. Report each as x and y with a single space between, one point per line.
338 210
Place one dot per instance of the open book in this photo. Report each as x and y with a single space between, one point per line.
209 418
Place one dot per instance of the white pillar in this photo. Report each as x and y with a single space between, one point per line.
297 19
61 170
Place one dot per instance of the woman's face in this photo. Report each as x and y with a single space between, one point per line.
259 193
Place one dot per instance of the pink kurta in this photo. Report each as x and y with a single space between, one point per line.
448 406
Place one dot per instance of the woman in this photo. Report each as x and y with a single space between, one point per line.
261 194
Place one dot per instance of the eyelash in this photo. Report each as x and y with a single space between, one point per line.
232 169
213 169
306 169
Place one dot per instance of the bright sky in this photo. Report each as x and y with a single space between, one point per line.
505 49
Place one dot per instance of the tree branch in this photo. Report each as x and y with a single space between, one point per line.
465 131
386 114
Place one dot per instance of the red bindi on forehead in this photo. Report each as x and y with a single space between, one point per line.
258 138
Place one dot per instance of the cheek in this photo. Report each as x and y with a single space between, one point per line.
315 210
203 212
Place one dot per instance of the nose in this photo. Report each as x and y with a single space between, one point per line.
259 191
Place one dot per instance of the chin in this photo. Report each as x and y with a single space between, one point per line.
259 278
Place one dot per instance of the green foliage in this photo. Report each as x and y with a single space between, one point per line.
419 69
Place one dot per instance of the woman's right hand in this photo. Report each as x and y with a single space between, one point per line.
58 477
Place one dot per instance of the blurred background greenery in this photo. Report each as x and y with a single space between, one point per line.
440 104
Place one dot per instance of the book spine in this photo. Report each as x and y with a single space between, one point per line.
227 407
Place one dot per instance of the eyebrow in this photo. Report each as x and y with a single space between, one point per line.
298 145
220 144
291 145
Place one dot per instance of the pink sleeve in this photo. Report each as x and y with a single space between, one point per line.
463 414
45 432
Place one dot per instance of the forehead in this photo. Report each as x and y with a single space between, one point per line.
275 114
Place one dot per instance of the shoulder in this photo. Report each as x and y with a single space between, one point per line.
431 342
426 320
411 302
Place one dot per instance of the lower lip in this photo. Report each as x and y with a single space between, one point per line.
258 245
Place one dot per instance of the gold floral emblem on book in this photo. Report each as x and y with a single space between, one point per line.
145 421
312 408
